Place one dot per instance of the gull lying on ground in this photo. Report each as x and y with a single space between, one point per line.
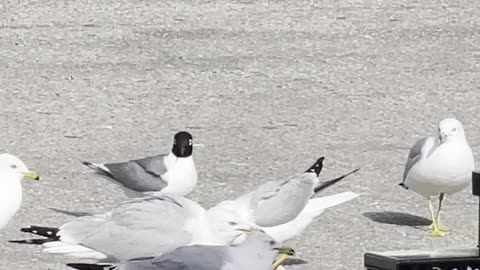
257 252
173 173
141 227
284 209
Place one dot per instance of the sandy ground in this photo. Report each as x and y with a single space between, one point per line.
265 86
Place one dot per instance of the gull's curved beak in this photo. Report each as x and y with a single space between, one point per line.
251 229
286 250
442 137
32 175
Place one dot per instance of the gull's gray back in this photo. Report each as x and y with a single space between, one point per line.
276 203
414 156
141 174
138 228
192 258
154 165
255 253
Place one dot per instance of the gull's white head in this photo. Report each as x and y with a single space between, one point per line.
229 225
450 129
10 164
265 246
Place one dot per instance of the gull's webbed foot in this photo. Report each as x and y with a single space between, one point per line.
440 226
437 233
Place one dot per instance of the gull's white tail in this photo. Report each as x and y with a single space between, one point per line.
73 250
316 206
311 212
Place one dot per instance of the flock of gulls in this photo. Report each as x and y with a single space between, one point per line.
159 228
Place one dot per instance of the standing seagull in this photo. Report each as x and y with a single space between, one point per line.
439 165
12 171
174 173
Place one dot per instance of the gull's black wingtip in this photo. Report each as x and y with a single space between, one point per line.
90 266
316 167
49 232
32 241
326 184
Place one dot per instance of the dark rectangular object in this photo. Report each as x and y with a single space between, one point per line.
449 259
476 183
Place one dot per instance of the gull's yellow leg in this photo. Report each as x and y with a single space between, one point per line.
439 224
437 217
280 260
435 231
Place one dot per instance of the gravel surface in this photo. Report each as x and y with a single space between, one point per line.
265 86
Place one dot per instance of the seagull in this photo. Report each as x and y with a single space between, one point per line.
173 173
140 227
12 171
285 208
257 252
438 165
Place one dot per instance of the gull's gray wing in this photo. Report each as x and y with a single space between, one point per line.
140 175
275 203
414 156
191 258
138 228
154 165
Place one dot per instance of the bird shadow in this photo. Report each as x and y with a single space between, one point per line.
71 213
294 261
397 218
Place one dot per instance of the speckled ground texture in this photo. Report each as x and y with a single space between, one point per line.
265 86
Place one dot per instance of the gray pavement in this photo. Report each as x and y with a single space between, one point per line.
265 86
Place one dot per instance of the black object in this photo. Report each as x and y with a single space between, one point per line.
449 259
325 184
317 166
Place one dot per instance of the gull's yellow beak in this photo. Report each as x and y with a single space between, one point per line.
442 137
286 250
284 253
32 175
251 229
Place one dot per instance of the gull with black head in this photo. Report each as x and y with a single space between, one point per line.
173 173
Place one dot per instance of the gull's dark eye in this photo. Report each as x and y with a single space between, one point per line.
231 223
13 166
272 243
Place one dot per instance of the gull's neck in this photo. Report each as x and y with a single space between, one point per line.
206 232
171 158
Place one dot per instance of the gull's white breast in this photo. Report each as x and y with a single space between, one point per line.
181 176
10 197
448 169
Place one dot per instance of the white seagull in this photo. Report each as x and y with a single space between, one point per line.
12 171
438 165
